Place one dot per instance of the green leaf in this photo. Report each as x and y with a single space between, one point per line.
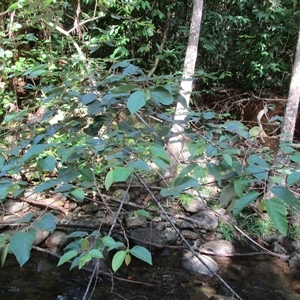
188 169
258 172
88 98
257 160
21 244
4 254
121 174
108 241
293 178
285 195
143 213
141 253
182 184
239 186
214 170
227 195
245 201
140 165
211 151
295 158
277 213
76 234
116 245
136 101
32 151
47 222
47 185
95 253
83 260
67 256
159 152
47 164
87 173
228 159
78 195
162 95
160 163
118 260
109 179
209 115
127 259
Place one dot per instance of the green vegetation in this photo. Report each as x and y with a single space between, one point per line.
80 112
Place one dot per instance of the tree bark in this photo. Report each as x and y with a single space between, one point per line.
291 110
176 143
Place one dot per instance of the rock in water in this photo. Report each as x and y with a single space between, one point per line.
192 263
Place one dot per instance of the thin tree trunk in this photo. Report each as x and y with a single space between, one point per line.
175 145
291 109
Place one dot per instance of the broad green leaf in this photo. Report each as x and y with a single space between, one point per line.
143 213
286 195
214 170
140 165
295 158
227 195
109 179
258 172
87 173
75 263
95 253
245 201
64 188
21 244
277 212
116 245
176 191
196 148
293 178
118 259
257 160
200 172
83 260
162 95
211 151
37 73
121 173
159 152
141 253
47 185
78 195
227 158
108 241
67 256
187 169
239 186
160 163
88 98
47 222
32 151
47 164
25 219
136 101
209 115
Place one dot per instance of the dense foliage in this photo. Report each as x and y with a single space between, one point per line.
80 113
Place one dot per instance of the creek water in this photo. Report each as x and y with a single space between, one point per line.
258 277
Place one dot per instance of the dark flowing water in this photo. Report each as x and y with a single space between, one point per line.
252 278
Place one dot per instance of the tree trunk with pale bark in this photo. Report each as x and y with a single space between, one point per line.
176 143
